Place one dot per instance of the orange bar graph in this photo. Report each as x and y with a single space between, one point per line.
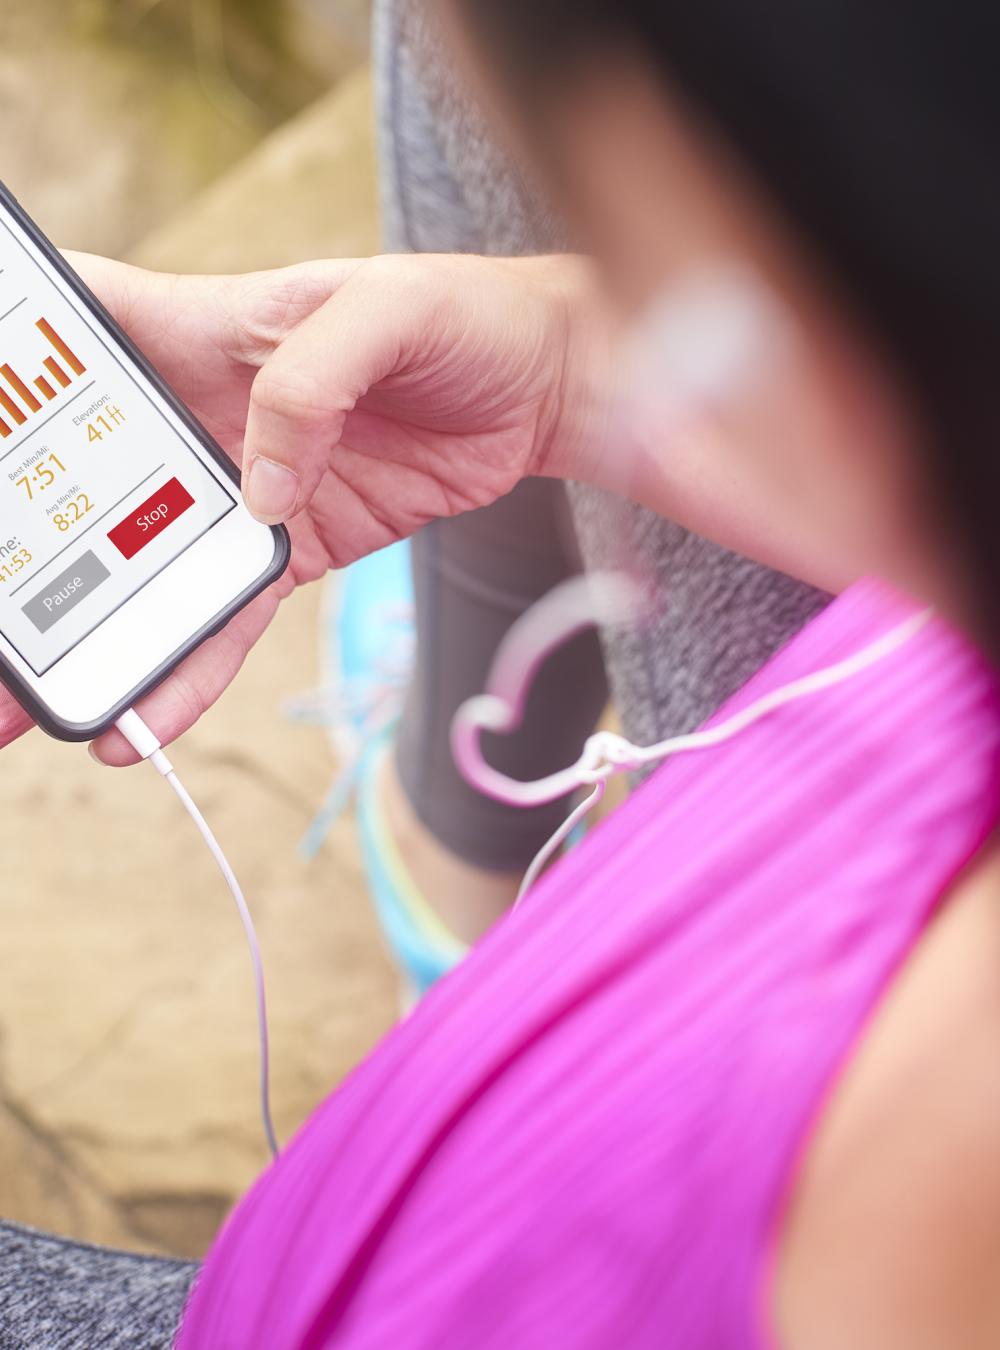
56 371
73 361
20 388
12 413
7 402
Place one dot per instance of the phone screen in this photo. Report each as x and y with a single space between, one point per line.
102 486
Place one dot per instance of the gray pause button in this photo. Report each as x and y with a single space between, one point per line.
65 591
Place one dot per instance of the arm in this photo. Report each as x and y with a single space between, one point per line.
365 398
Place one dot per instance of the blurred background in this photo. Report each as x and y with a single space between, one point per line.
186 135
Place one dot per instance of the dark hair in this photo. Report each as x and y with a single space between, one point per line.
874 125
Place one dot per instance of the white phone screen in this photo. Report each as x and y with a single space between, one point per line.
102 486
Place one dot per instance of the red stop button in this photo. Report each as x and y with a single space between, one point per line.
145 522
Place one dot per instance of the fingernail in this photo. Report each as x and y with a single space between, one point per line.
270 491
92 752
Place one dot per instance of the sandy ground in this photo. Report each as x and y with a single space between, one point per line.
128 1064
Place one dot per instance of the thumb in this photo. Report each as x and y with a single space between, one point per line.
304 392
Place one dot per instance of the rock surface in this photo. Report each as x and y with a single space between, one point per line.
307 191
128 1061
128 1075
103 138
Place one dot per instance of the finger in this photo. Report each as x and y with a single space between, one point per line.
304 392
197 682
242 318
14 721
260 309
131 295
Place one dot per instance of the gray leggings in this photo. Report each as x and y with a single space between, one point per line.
472 577
62 1295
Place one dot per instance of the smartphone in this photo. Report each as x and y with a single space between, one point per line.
124 540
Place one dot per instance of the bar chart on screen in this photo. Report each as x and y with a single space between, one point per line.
19 400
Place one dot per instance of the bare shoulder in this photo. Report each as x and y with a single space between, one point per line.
893 1237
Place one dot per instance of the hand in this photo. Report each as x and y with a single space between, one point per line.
363 399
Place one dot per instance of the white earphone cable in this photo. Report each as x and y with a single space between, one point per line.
556 840
145 743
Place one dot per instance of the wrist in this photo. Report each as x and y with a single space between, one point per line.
580 339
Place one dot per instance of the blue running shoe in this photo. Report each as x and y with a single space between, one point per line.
367 659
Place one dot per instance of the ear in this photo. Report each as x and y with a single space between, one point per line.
704 340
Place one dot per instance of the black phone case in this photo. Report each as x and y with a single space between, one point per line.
22 691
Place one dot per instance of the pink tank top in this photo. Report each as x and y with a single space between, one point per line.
586 1135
